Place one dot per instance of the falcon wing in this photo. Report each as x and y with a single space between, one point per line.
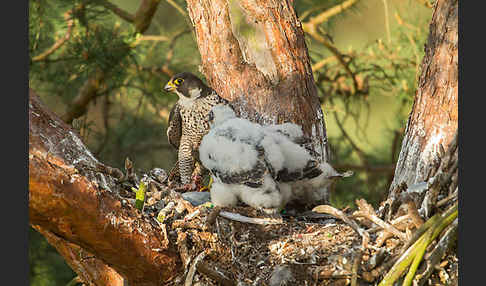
174 128
311 170
293 143
252 178
219 145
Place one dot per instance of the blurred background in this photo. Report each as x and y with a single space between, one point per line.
365 56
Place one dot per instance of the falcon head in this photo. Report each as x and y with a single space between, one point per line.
186 85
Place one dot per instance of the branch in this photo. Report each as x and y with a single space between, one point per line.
317 66
170 52
88 92
361 153
82 206
118 11
339 214
144 15
177 7
60 42
150 38
366 210
324 16
245 219
367 168
92 271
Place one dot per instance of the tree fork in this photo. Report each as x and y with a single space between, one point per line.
254 54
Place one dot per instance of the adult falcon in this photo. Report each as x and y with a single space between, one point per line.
188 123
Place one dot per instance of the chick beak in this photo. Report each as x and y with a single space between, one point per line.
169 86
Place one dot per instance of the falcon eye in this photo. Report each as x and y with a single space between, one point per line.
178 81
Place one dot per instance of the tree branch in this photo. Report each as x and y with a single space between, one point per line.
327 14
70 200
60 42
91 271
88 92
118 11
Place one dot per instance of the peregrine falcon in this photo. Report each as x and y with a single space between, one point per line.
188 122
263 166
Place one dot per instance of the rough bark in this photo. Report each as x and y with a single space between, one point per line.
432 123
70 200
254 54
90 269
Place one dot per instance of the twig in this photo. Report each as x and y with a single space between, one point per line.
358 150
339 214
324 16
192 269
215 273
356 263
412 42
58 43
426 3
211 217
150 38
366 210
387 21
245 219
182 248
76 280
130 173
376 259
445 200
315 34
333 276
170 52
317 66
367 168
177 7
413 213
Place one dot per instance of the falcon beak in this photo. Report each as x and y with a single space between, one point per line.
169 86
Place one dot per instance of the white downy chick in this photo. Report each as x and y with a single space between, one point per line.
234 152
262 166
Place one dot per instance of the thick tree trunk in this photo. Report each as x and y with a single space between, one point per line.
77 208
432 123
254 54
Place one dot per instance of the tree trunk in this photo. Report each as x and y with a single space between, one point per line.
77 208
432 123
254 54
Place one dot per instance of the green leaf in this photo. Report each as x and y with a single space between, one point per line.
140 195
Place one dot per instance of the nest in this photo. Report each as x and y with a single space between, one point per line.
326 246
